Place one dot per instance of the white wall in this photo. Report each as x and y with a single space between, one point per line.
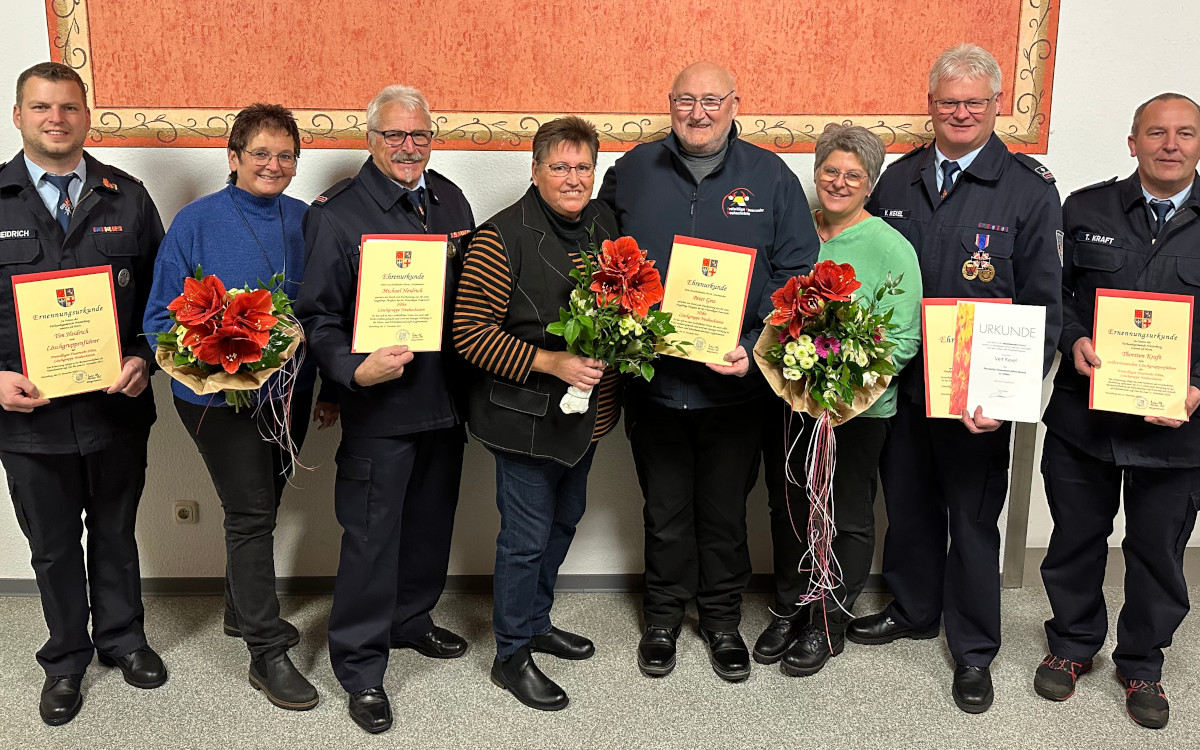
1109 59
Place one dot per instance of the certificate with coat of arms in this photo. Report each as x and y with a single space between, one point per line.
998 352
1144 342
67 324
705 291
938 316
401 292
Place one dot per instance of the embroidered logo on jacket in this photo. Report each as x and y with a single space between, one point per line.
737 203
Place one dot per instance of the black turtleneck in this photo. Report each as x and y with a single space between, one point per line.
572 234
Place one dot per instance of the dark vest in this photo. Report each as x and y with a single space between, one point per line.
525 417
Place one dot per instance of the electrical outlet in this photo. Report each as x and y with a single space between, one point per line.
187 511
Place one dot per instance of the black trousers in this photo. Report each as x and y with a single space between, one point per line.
1160 513
395 498
695 467
55 498
859 443
940 480
249 475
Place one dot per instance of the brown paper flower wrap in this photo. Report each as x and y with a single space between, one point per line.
202 383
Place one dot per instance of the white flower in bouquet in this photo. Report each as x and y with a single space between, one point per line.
869 379
804 340
791 348
806 362
789 360
793 373
626 324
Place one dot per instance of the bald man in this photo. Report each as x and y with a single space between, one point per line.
694 429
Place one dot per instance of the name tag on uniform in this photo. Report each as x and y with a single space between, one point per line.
16 234
894 213
1098 239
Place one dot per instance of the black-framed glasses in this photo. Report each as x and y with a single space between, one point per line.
397 137
974 106
261 158
853 177
562 169
708 103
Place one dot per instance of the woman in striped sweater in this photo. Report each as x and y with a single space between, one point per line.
515 278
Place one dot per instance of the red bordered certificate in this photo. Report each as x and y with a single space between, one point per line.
401 292
1144 342
938 316
705 291
67 323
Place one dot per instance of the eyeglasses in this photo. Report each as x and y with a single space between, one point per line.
560 169
974 106
397 137
853 177
708 103
287 160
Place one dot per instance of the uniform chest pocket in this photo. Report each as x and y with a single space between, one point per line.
24 250
1096 257
115 244
988 244
1189 270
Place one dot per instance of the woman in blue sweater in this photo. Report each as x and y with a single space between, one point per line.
245 233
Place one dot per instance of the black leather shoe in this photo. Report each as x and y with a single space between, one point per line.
810 651
562 644
878 629
728 654
438 643
521 677
62 698
371 710
973 688
1055 678
779 635
656 651
279 680
231 628
142 668
1146 702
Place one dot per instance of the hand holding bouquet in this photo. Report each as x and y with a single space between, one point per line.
609 317
228 340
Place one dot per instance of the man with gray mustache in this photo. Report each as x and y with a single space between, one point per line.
400 459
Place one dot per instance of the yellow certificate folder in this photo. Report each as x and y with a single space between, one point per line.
67 325
401 292
705 292
1144 342
938 319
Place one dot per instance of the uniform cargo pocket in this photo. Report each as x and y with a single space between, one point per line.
520 399
352 497
1098 257
19 251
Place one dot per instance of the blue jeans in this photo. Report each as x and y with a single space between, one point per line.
540 502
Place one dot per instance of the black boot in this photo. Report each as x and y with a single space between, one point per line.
274 674
521 677
779 636
811 650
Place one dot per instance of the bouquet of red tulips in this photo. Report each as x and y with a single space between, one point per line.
231 340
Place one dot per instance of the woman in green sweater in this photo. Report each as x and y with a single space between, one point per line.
849 159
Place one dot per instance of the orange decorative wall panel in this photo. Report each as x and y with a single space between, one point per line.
174 72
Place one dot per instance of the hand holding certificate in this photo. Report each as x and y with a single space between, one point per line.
998 352
1143 341
401 292
67 324
705 292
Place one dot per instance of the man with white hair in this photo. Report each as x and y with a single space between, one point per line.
400 459
985 223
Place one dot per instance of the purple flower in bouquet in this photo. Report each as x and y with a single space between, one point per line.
826 345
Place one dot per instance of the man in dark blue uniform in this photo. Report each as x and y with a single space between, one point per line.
82 455
400 459
1141 234
985 223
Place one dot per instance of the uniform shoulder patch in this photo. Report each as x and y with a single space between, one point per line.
910 154
324 197
1095 185
122 173
1035 166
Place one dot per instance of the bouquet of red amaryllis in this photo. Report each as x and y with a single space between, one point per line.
609 317
230 340
825 351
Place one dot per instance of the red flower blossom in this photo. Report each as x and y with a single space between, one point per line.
229 347
195 334
251 311
200 302
811 304
834 281
626 277
785 299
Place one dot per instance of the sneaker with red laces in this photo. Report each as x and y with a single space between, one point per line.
1055 677
1146 702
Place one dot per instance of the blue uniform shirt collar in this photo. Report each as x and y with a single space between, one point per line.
47 192
1176 201
963 161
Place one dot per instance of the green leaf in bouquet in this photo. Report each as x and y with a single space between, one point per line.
199 273
571 331
647 371
556 328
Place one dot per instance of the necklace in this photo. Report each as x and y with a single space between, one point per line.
823 231
263 250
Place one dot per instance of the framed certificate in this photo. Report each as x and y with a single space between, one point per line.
401 292
938 315
705 291
998 351
67 325
1144 342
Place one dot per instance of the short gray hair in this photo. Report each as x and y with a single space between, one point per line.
965 61
406 96
853 139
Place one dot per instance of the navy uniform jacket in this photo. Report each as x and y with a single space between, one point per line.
114 224
424 397
752 199
1005 202
1108 245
